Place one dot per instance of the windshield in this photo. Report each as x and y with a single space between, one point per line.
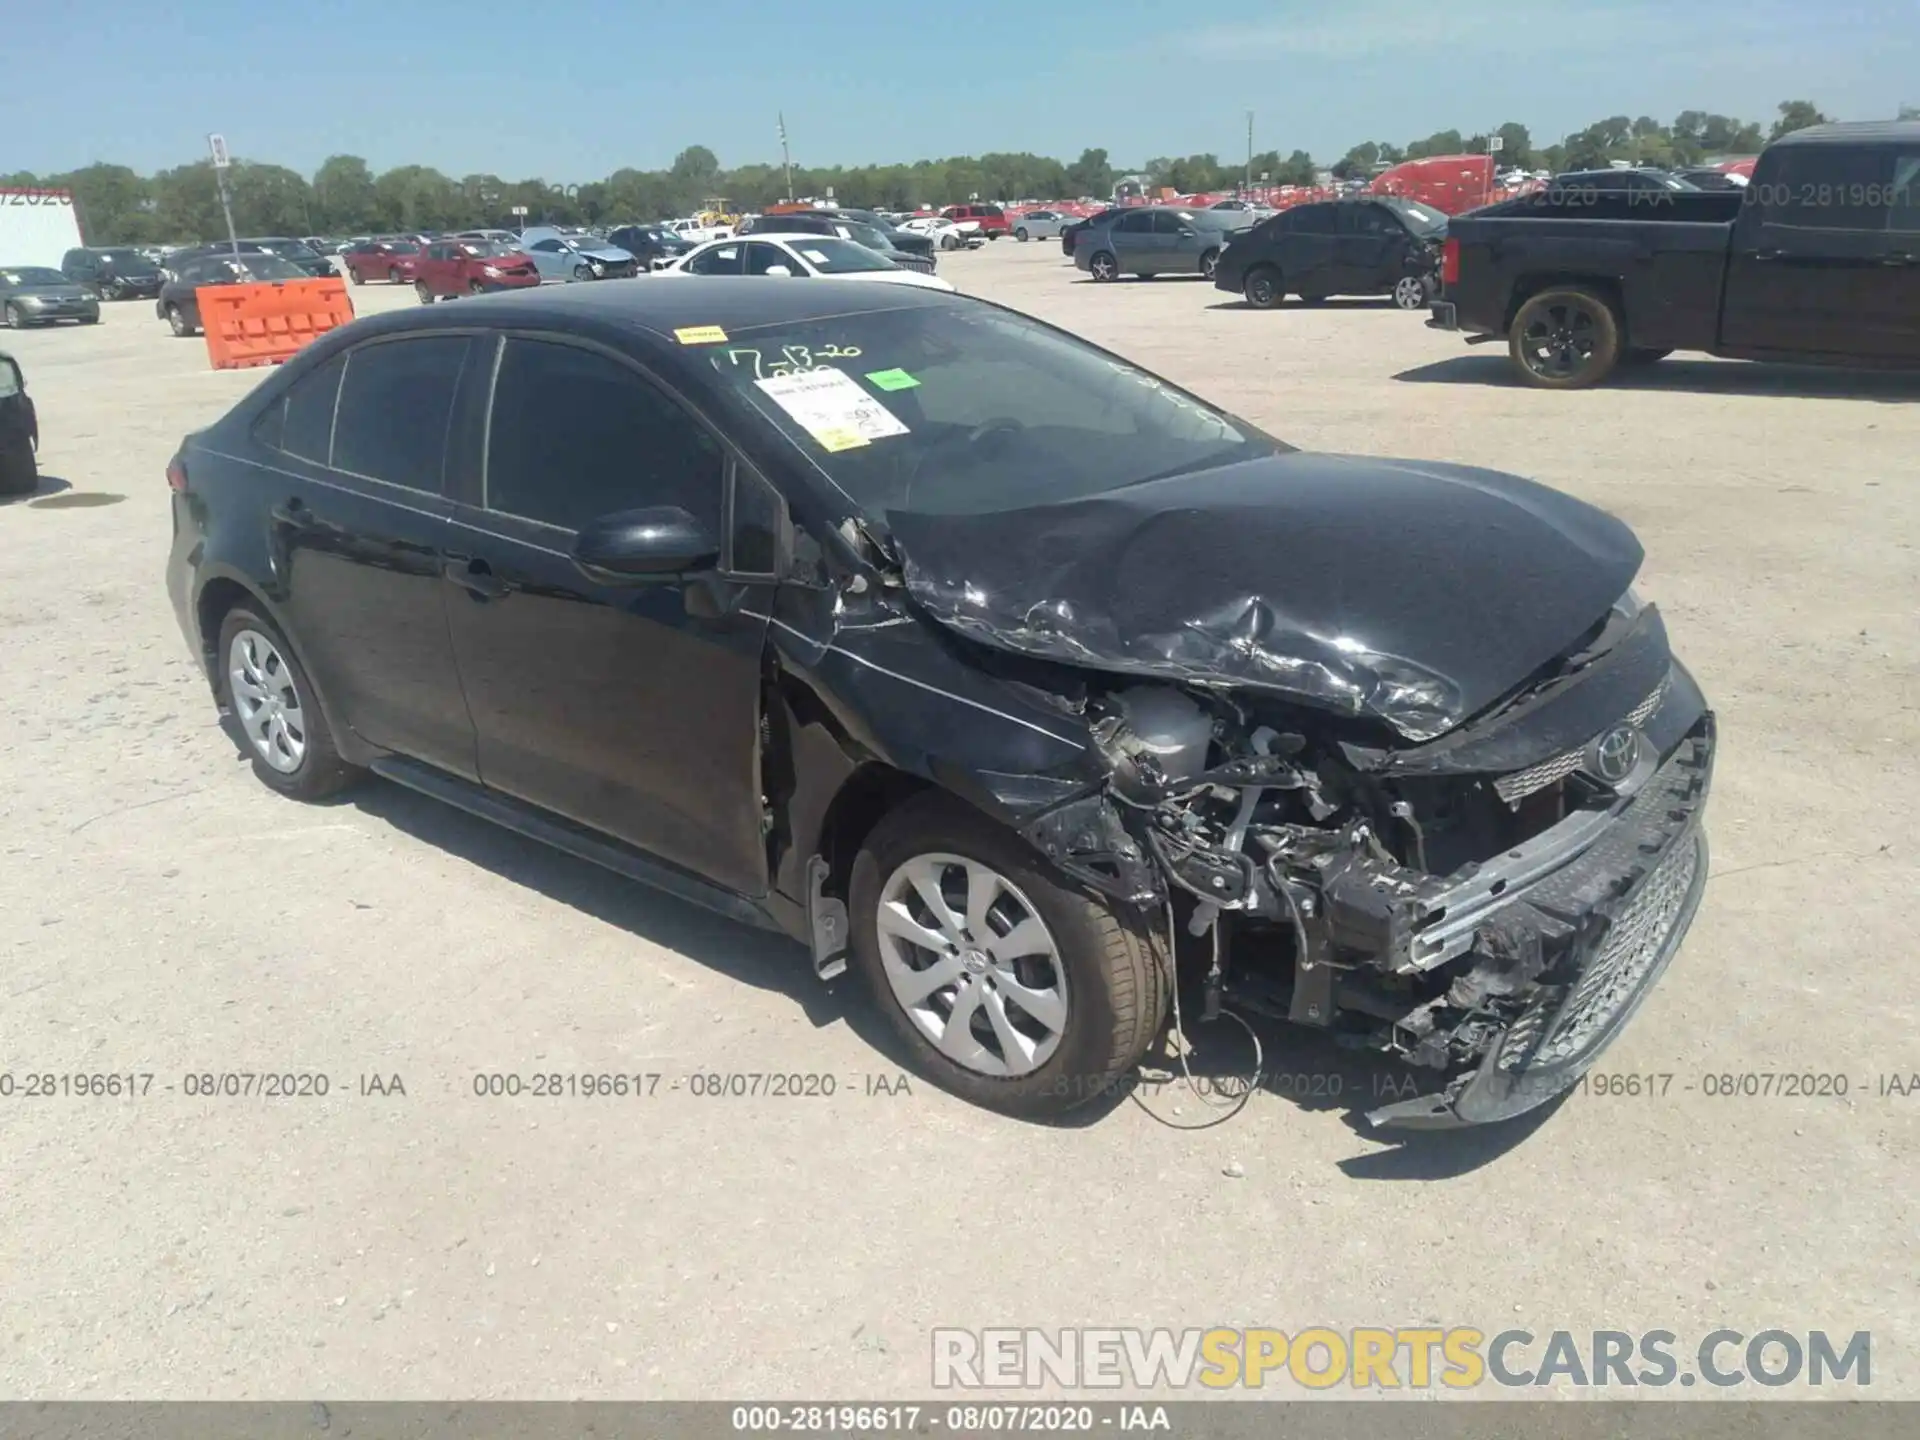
955 409
831 256
862 234
1421 219
268 267
127 262
291 249
34 275
481 249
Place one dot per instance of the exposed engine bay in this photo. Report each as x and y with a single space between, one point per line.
1494 928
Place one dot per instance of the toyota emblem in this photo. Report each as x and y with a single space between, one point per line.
1614 753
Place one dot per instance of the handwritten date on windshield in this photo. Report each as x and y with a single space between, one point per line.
792 359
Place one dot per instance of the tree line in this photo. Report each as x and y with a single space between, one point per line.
345 197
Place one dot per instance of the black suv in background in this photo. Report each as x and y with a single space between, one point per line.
295 252
113 272
1377 245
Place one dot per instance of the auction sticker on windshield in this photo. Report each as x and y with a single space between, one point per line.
831 407
700 335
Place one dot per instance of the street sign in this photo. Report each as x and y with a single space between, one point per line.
519 210
1495 145
217 144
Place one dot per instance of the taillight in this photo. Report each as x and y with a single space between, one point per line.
177 475
1450 262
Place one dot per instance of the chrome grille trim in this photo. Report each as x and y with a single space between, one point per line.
1522 783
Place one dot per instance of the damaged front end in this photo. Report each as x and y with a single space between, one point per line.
1490 907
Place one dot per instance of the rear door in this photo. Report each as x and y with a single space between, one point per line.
1130 237
631 709
1812 266
360 521
721 259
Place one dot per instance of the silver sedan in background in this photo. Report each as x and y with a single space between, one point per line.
1041 224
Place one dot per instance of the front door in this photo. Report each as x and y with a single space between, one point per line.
1807 272
634 709
358 541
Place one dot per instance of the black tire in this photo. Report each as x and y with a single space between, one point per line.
949 242
1103 266
1262 287
424 291
1021 235
19 472
17 318
89 319
321 771
1116 968
358 278
393 275
1567 338
1640 355
474 287
583 272
178 322
1209 259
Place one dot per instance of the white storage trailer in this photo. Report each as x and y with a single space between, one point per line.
37 227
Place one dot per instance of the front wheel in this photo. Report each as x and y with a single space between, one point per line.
1410 292
16 318
583 272
393 276
19 472
1208 263
358 278
1021 235
949 242
177 322
1565 339
1012 988
273 705
1103 267
424 291
1262 288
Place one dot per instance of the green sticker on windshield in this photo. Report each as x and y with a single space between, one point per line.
891 380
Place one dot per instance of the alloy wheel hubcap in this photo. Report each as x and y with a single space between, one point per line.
1560 343
972 964
266 701
1408 292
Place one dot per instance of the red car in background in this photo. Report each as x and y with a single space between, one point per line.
389 260
446 268
992 219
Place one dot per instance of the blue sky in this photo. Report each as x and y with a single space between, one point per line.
570 90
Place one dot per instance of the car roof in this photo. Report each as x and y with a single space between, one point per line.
1854 132
740 302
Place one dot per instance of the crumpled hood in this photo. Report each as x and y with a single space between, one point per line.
1412 591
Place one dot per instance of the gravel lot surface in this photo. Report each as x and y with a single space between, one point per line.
167 915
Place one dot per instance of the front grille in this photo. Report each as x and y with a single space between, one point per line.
1632 947
922 263
1521 783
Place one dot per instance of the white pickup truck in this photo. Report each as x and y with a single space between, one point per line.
695 232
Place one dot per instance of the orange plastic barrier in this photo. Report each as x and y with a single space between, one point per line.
264 324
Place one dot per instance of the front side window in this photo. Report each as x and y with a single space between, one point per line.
576 434
1826 187
762 259
1139 222
1903 211
395 401
953 410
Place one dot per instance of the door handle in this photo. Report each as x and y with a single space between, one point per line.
476 577
1899 257
295 515
1769 254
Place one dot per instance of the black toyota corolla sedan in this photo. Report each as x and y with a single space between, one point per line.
975 657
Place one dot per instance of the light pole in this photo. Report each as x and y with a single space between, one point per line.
1249 180
786 158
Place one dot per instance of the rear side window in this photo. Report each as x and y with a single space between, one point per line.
395 401
306 428
1825 187
1904 213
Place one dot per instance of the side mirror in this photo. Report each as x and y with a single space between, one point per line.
655 543
778 270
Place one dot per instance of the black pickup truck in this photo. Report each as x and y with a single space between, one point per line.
1817 260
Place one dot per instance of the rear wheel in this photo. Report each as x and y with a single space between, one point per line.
1021 235
1012 988
358 278
393 276
1104 267
16 318
1564 339
1262 287
476 288
177 322
273 705
424 291
1208 262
